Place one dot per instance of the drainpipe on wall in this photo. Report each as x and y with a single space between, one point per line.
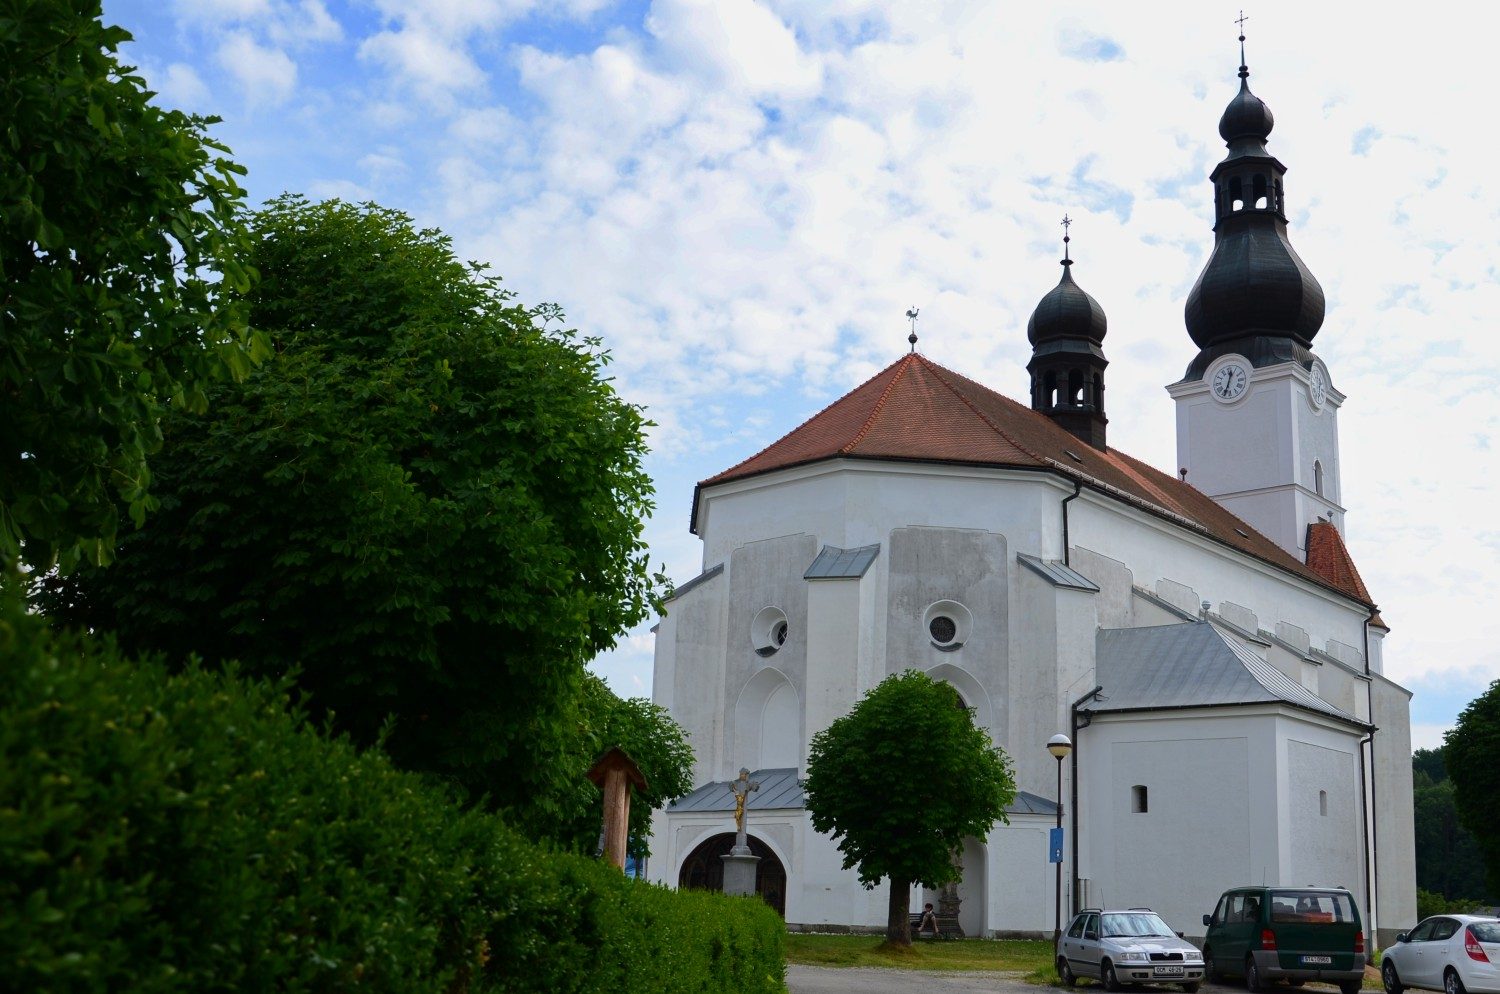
1373 843
1077 489
1074 726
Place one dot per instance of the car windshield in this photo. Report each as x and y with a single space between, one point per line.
1134 923
1310 907
1485 931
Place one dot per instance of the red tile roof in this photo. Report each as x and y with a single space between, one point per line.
1328 556
916 410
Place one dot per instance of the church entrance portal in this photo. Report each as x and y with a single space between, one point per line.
704 870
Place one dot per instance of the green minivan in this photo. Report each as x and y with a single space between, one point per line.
1294 934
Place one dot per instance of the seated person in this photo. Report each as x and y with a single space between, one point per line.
928 921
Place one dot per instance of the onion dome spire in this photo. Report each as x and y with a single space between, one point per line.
1255 296
1066 332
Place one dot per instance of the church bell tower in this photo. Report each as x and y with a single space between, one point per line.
1257 414
1066 332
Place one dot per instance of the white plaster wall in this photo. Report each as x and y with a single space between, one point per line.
1021 881
969 567
834 644
1325 848
1211 819
1158 549
767 573
1116 599
1394 834
689 673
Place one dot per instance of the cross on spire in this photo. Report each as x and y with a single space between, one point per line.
1067 222
911 315
1244 70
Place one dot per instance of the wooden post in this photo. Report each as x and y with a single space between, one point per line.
615 773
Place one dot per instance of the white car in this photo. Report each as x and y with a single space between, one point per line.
1450 953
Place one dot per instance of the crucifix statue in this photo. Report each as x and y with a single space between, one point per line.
742 787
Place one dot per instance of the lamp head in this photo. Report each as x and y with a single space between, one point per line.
1060 746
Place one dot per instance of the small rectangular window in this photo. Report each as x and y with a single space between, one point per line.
1138 800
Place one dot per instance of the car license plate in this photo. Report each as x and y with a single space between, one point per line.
1324 960
1167 971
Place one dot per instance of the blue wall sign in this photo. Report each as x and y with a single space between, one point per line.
1055 845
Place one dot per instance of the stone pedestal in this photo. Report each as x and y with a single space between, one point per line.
739 871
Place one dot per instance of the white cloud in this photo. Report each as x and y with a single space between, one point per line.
180 86
267 75
743 198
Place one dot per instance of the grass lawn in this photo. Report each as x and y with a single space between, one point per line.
1020 955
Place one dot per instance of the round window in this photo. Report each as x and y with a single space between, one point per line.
943 629
948 625
768 631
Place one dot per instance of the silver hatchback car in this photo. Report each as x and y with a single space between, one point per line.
1133 946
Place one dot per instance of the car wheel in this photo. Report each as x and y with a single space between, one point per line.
1190 988
1107 974
1065 972
1252 975
1452 983
1349 986
1210 969
1390 978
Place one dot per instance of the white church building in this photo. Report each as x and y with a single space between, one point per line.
1202 635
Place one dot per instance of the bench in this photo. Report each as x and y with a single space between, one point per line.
948 927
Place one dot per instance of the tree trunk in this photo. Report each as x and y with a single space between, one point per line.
898 923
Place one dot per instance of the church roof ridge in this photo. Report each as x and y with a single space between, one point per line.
916 410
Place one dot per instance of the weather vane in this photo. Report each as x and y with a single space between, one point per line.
1241 22
1067 223
911 315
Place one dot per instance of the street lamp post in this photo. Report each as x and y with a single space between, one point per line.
1060 746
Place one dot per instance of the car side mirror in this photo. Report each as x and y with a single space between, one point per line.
1208 919
1401 937
1181 936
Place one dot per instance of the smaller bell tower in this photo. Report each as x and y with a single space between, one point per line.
1066 332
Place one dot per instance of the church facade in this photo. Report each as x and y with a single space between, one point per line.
1202 636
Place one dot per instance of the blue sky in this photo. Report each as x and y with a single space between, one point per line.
743 198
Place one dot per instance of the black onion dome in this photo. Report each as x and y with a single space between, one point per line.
1247 116
1066 312
1254 284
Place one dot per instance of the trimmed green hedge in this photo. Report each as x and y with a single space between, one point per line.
188 833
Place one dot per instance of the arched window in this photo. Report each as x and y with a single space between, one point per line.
1138 799
1236 194
1049 391
1323 803
1259 192
1075 388
1318 477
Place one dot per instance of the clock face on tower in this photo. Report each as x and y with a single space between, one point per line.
1317 390
1229 381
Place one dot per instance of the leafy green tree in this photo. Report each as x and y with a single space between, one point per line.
426 501
901 781
121 272
1449 863
1470 751
647 733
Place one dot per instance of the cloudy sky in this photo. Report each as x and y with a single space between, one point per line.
743 198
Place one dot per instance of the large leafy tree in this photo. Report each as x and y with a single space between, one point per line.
1470 751
1449 862
901 781
426 501
120 269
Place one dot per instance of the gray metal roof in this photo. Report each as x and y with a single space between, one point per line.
780 789
842 564
698 580
1055 573
1193 665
